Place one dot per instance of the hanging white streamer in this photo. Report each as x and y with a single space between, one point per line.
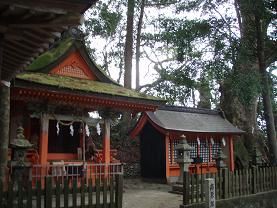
71 130
198 141
98 129
58 128
212 141
223 142
87 130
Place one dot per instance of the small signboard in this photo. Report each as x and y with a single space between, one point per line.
210 192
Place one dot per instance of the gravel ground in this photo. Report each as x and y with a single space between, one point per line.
139 194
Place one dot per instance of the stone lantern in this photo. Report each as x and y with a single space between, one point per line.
220 158
19 167
257 157
183 157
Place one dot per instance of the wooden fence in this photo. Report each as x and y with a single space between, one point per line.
230 184
63 193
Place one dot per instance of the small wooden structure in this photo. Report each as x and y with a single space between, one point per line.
51 100
207 131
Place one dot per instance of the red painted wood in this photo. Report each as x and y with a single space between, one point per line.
74 66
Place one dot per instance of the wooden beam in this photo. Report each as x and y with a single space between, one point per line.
40 9
67 5
18 56
22 52
47 32
36 22
39 38
6 10
27 47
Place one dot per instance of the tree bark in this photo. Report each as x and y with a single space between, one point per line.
138 43
268 111
239 113
4 128
128 52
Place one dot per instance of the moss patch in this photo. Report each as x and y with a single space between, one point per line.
51 55
83 85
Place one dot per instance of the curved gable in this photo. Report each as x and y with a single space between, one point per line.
74 66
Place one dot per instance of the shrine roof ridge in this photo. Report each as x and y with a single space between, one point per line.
190 110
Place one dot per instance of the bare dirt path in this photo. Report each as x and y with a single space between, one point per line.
138 194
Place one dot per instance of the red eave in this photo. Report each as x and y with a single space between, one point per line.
85 101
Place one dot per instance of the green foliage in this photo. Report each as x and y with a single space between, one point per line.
105 23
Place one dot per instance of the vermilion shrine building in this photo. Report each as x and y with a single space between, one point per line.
207 131
51 100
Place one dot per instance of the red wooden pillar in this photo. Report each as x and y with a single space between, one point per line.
231 154
167 173
43 144
107 141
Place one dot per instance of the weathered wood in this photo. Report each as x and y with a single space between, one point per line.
240 183
10 195
202 193
58 192
217 186
254 180
119 191
225 183
105 195
97 186
74 192
83 191
48 192
112 192
66 192
197 188
29 194
4 126
90 193
38 194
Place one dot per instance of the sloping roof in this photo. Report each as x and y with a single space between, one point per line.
59 51
192 120
81 85
30 27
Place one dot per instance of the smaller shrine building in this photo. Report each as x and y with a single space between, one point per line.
207 132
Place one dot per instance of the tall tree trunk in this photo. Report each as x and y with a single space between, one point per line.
128 52
268 111
238 112
138 43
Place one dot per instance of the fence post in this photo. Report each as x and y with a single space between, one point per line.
186 188
48 192
119 190
254 180
225 183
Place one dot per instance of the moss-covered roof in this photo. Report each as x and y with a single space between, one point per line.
84 85
51 55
